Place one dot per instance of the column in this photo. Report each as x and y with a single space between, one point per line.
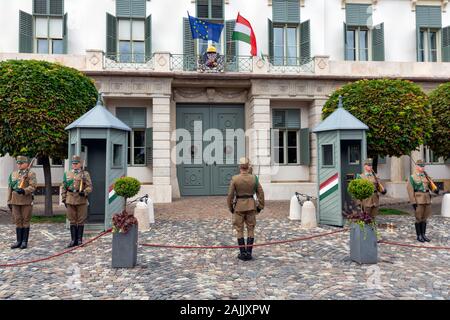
7 165
315 117
161 150
397 169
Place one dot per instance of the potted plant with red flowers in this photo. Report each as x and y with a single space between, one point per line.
363 228
125 231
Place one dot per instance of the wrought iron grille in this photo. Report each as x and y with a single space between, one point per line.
129 61
181 62
291 65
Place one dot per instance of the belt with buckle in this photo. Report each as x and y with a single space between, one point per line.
244 197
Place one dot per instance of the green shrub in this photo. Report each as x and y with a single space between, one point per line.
361 189
439 141
127 187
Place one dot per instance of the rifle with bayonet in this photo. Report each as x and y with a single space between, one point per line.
83 177
27 171
380 187
433 186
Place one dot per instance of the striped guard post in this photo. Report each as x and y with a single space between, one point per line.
328 186
112 194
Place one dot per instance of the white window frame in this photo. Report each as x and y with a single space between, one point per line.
131 147
427 154
357 30
426 42
49 40
285 47
132 42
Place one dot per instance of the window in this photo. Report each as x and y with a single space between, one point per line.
210 9
285 40
117 155
428 45
353 154
357 44
131 40
286 136
327 155
49 35
135 118
429 157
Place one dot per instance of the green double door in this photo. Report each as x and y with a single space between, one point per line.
199 170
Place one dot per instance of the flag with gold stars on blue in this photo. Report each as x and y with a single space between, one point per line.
205 30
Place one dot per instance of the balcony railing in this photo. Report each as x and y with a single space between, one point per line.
183 62
128 61
291 65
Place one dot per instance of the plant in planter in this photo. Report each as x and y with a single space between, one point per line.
363 232
125 232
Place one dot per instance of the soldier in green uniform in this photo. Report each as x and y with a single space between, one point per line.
418 187
371 204
244 207
75 189
21 185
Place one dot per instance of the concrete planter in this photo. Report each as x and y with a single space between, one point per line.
363 244
124 248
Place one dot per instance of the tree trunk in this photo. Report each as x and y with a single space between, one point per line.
375 163
48 186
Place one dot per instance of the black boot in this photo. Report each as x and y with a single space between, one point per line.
73 236
243 253
250 247
419 232
80 230
424 230
19 232
25 234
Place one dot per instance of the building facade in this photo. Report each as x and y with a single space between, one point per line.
143 59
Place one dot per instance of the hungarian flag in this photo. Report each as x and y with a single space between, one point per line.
243 31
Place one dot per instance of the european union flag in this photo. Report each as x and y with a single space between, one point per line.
205 30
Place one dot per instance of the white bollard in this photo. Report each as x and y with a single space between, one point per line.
309 215
151 212
141 214
295 210
445 211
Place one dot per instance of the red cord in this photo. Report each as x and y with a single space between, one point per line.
58 254
413 245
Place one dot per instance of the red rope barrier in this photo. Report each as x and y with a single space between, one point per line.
58 254
237 246
413 245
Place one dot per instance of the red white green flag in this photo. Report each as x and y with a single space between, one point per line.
243 31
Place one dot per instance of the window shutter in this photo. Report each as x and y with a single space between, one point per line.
279 10
111 36
148 38
345 42
279 119
270 33
217 9
378 43
40 7
358 14
123 8
305 42
419 57
56 7
202 9
304 147
65 38
446 44
293 11
135 118
25 32
231 47
124 114
429 16
188 46
138 8
293 118
149 146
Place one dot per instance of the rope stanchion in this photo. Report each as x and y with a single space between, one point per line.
58 254
237 246
413 245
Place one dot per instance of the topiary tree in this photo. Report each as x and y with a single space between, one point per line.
360 189
38 100
396 112
439 140
127 187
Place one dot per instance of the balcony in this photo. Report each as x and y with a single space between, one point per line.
116 61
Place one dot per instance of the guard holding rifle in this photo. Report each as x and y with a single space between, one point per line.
419 187
371 205
75 189
244 207
21 185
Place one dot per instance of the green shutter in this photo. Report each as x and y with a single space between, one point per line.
217 9
138 8
148 38
378 43
231 47
429 16
133 117
270 33
202 9
40 7
304 147
446 44
56 7
293 11
419 57
305 42
25 32
65 37
358 14
279 118
111 36
188 46
345 42
123 8
149 146
293 118
279 10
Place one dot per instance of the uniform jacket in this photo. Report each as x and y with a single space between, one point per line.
71 187
374 200
29 186
418 189
241 185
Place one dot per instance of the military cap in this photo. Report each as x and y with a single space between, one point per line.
368 161
22 159
244 161
420 163
76 159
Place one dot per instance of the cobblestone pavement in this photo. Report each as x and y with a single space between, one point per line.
315 269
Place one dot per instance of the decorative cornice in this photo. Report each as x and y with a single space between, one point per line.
372 2
442 3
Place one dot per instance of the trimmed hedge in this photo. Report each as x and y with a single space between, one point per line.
439 141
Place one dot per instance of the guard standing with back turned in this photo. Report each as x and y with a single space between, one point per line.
75 189
244 207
